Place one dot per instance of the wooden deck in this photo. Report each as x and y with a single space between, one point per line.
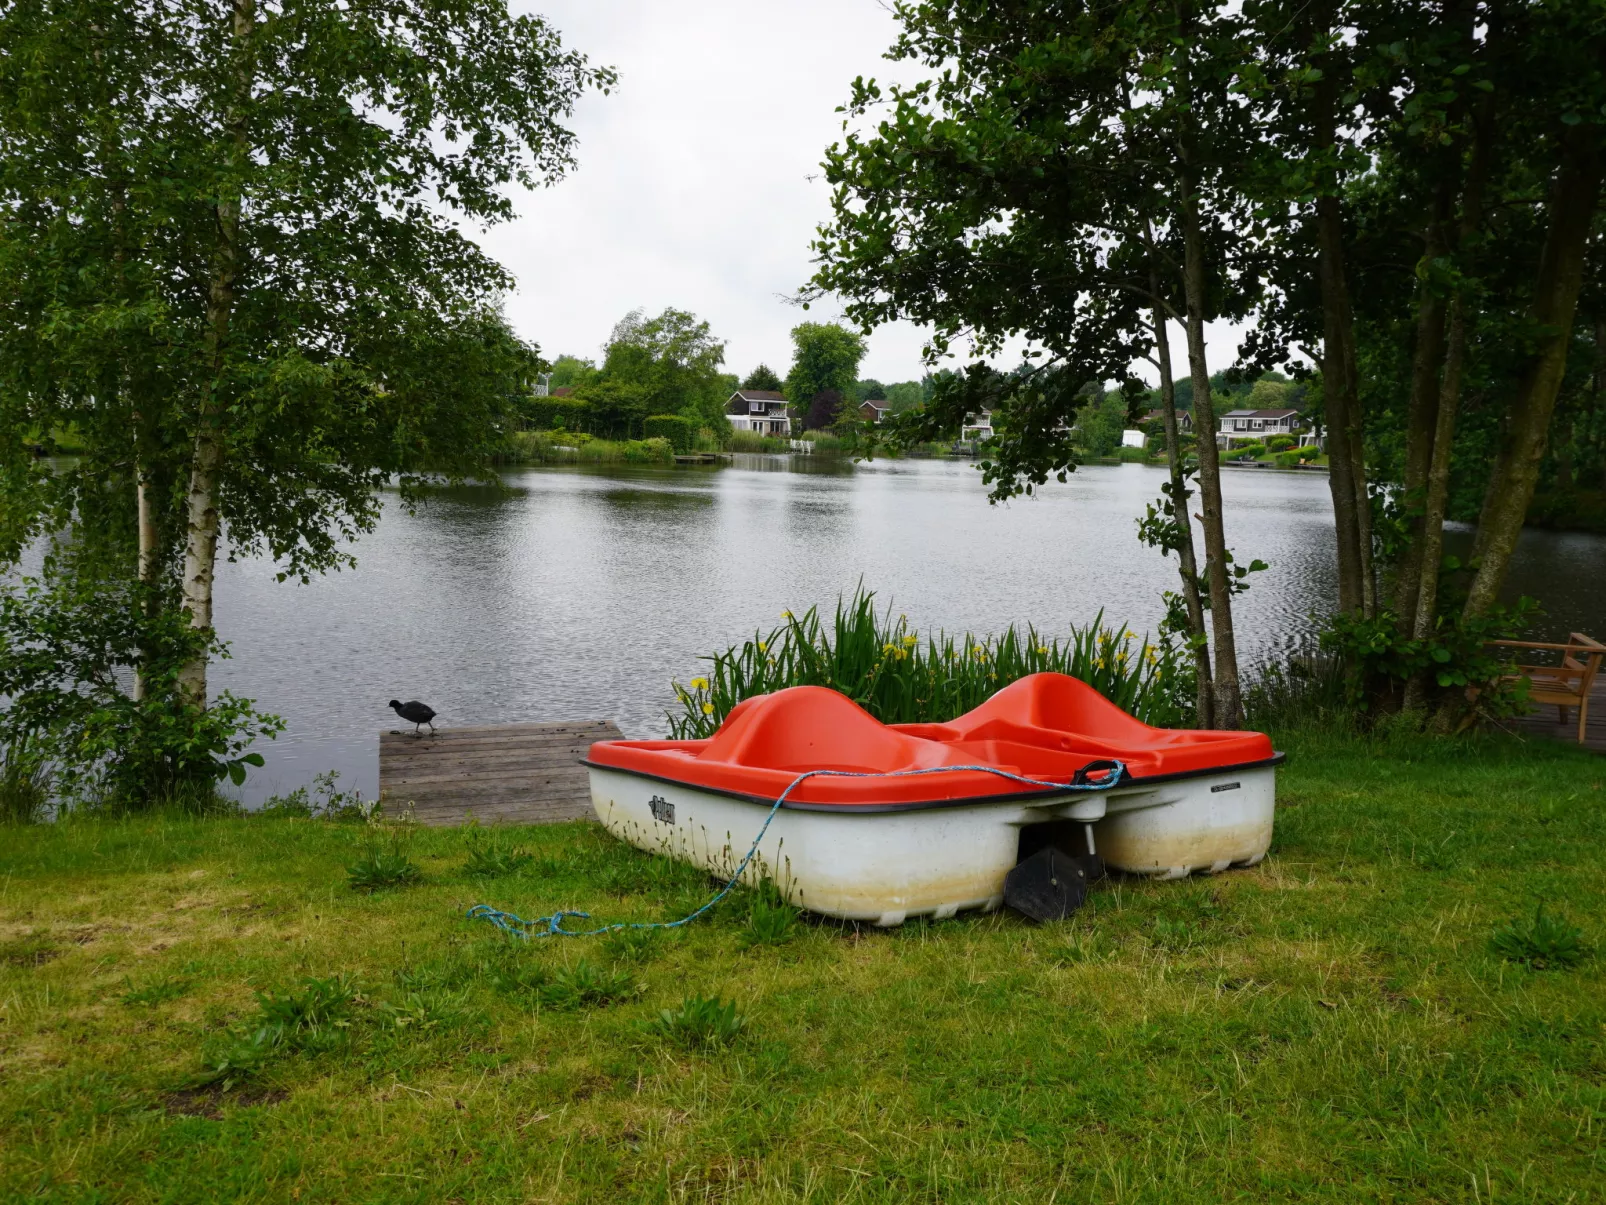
1543 721
501 774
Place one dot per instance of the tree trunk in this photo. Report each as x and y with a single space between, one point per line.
1187 565
202 518
1571 211
1423 409
1227 711
1429 552
1346 479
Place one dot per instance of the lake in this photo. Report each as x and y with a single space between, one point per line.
582 592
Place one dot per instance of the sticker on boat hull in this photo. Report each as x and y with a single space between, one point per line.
1225 786
661 809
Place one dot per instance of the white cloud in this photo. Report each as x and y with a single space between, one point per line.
699 182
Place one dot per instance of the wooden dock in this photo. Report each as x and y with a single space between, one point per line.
499 774
1543 721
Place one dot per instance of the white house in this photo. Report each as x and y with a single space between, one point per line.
977 426
760 411
1241 426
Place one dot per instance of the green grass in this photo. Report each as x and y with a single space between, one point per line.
1359 1018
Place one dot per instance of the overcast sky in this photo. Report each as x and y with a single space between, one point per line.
698 183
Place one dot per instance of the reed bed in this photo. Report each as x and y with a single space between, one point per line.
900 677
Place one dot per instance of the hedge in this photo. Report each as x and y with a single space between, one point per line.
1280 443
544 413
680 432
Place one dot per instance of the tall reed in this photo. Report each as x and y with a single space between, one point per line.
882 664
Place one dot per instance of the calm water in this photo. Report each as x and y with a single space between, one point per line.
584 592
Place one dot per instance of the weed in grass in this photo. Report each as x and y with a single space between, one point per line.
584 985
520 977
1076 949
493 857
701 1022
422 1012
152 994
239 1057
1548 943
634 945
320 1004
384 863
771 921
313 1020
29 950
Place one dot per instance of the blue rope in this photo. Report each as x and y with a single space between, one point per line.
519 927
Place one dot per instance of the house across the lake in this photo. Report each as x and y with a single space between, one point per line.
761 411
873 411
1241 426
977 427
1184 420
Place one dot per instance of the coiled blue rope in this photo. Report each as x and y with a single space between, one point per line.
510 923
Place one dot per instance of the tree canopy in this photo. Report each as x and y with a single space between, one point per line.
233 266
764 378
825 360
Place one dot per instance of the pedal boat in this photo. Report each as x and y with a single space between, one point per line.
881 849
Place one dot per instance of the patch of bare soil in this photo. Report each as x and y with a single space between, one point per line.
209 1101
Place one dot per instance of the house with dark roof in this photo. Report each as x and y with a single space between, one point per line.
1184 420
761 411
1242 426
873 411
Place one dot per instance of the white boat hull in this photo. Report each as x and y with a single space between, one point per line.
884 866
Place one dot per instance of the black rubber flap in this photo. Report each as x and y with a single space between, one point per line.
1049 885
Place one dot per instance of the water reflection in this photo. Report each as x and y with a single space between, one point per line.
581 592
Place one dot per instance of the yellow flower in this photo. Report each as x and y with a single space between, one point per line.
1041 651
708 709
911 640
762 647
699 683
889 648
786 615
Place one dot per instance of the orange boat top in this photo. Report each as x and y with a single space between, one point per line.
1046 727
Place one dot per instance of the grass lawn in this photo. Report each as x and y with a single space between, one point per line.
1331 1026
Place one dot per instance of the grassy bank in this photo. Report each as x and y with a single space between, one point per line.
1332 1025
560 447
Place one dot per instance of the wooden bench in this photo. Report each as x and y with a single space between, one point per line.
1566 685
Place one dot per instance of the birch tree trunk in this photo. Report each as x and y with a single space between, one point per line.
202 519
1187 564
1227 708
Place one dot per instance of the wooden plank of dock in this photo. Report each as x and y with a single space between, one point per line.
499 773
1543 721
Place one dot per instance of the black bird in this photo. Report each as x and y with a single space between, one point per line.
415 713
